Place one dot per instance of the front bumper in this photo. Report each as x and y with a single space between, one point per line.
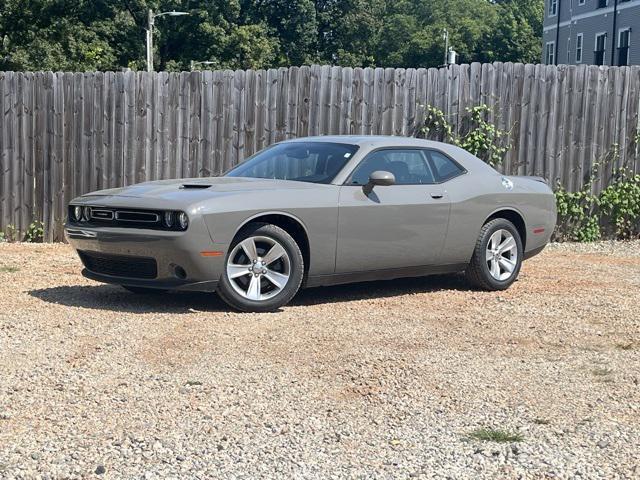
164 284
178 255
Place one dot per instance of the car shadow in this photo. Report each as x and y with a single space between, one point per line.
380 289
114 298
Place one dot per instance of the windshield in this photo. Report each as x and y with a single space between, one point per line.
315 162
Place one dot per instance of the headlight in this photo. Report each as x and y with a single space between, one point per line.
168 219
77 213
86 213
183 220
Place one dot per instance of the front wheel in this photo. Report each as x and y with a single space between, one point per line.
497 257
263 269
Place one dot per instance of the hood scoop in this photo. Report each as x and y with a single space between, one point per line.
194 186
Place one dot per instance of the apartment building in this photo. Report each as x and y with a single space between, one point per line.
591 32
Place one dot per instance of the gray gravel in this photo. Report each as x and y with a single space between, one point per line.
381 380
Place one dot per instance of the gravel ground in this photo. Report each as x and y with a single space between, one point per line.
384 380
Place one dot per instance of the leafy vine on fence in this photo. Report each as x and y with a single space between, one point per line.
620 203
582 215
577 220
476 135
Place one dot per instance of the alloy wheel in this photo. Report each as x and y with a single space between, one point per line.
258 268
502 255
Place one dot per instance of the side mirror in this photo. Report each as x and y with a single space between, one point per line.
379 177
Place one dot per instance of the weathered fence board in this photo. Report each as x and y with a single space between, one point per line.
64 134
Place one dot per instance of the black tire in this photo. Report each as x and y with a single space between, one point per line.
296 271
478 272
143 290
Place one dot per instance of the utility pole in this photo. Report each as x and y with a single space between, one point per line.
615 39
445 35
150 22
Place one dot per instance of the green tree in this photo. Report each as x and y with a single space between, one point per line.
294 24
61 35
517 37
79 35
469 23
349 31
213 31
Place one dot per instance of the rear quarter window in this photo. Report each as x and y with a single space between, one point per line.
443 167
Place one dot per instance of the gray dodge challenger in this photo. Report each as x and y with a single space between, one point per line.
315 211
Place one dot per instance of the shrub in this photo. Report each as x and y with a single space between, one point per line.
577 221
620 202
613 213
10 235
35 232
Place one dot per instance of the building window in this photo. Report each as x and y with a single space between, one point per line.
599 54
624 42
581 2
553 8
550 53
603 3
579 43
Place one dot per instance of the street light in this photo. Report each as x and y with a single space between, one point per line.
204 62
150 23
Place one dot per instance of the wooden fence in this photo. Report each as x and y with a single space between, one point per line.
64 134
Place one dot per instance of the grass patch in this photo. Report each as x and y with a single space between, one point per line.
8 269
603 374
493 435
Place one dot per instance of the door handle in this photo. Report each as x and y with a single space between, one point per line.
437 195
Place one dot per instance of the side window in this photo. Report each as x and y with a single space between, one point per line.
409 166
443 166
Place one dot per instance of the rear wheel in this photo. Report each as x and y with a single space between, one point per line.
497 257
263 269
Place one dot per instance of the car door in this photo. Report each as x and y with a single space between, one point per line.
395 226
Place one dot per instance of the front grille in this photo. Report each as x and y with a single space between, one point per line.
137 216
119 265
94 216
101 214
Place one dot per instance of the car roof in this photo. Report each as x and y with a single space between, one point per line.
372 140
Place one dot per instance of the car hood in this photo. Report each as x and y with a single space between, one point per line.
182 192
